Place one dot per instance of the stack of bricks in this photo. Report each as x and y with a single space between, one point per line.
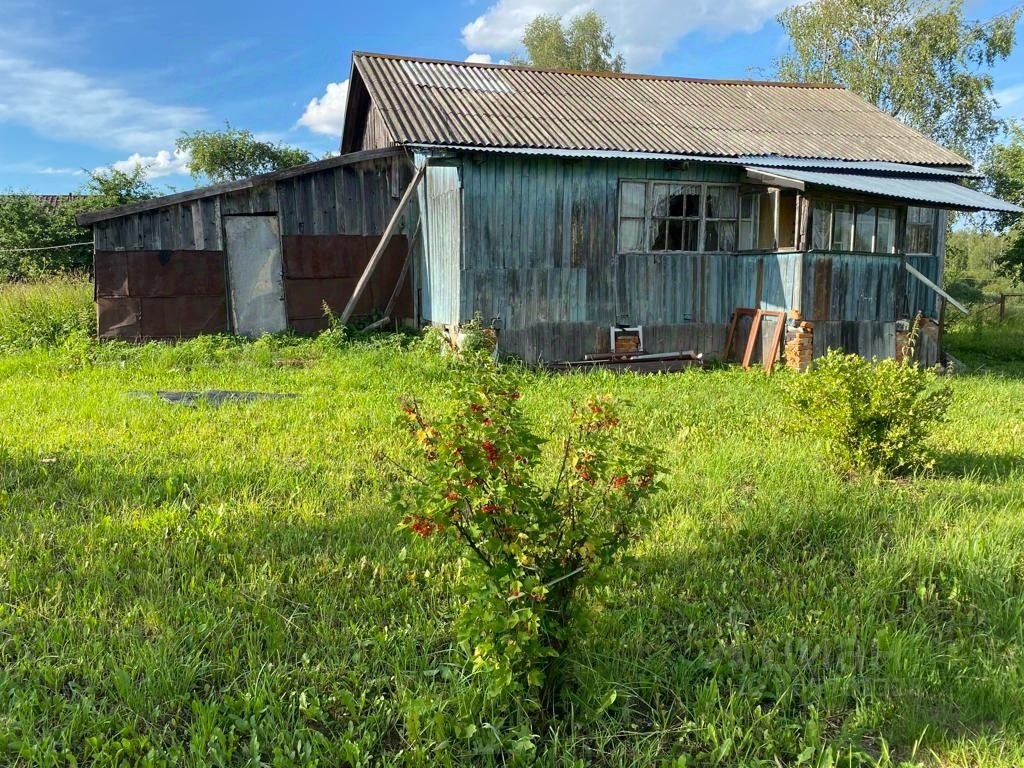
799 343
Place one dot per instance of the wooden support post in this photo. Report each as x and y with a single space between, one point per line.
1002 307
378 253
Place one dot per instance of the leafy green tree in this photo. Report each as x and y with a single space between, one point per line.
235 154
583 44
1005 168
110 187
919 60
30 227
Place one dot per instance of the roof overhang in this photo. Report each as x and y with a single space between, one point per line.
926 190
773 161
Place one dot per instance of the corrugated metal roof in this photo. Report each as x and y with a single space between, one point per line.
849 166
930 191
480 105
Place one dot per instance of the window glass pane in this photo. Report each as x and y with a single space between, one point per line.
748 229
632 199
821 217
864 230
747 234
691 235
720 236
631 235
920 230
842 228
722 202
885 233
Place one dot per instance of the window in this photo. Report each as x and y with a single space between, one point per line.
757 220
750 213
632 215
665 216
855 228
721 208
675 217
921 225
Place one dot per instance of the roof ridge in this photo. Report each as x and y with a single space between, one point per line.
608 75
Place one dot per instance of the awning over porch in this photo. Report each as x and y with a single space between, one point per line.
924 190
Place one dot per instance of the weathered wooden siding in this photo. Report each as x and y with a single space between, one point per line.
440 199
847 287
539 255
375 133
539 245
921 298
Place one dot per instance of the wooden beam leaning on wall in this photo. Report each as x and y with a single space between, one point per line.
378 253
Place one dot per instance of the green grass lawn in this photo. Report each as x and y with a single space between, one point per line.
227 586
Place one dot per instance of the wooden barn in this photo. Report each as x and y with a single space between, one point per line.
571 210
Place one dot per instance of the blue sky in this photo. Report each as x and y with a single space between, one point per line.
92 83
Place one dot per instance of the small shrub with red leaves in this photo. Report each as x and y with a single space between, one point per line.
539 527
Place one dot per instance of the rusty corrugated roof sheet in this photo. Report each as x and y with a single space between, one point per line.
480 105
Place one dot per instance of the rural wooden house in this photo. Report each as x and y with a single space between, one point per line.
563 207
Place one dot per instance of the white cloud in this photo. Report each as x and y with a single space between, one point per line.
326 115
644 29
69 105
48 171
163 163
479 58
1007 97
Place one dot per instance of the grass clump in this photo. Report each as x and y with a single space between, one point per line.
874 416
45 313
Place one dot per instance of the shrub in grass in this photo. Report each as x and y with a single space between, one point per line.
874 415
538 528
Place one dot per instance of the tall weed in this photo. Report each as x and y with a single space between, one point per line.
46 313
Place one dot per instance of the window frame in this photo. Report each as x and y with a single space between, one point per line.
854 206
649 217
933 232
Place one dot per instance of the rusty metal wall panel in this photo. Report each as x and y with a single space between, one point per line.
118 318
325 269
175 273
110 269
455 103
306 298
308 326
314 256
182 316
